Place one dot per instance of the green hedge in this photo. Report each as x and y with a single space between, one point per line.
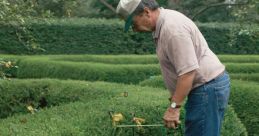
108 59
127 59
112 68
245 102
100 36
242 67
246 77
82 118
109 68
40 68
239 58
244 98
231 38
144 59
154 81
134 73
157 81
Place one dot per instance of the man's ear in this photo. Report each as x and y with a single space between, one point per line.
147 11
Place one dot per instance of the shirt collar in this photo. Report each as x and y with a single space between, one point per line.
159 23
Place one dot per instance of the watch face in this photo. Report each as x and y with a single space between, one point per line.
173 105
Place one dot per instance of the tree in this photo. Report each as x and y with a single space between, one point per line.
248 12
14 14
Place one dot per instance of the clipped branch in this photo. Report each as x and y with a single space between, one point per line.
217 5
108 5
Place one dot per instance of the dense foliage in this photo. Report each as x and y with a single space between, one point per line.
100 36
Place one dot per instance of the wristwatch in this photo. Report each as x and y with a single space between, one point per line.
174 105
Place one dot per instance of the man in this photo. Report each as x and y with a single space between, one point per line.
189 68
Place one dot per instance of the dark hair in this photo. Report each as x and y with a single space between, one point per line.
151 4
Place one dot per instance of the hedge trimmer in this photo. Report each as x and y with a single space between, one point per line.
138 124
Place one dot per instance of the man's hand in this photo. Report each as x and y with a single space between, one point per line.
171 117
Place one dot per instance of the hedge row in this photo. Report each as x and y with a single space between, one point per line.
127 59
81 117
134 73
100 36
244 98
39 68
108 59
82 67
245 102
144 59
157 81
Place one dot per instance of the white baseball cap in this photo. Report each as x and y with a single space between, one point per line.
125 8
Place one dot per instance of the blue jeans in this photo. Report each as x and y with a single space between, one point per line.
205 107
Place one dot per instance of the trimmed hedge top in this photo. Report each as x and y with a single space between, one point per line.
81 117
101 36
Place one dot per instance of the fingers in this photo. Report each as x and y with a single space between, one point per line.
172 124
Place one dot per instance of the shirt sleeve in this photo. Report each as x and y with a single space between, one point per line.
181 53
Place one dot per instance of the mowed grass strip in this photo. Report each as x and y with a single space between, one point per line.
88 114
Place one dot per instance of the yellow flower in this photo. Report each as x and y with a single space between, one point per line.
139 121
8 64
125 94
116 118
30 108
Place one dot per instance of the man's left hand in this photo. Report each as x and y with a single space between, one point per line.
171 117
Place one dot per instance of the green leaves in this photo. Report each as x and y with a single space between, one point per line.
75 36
88 115
247 13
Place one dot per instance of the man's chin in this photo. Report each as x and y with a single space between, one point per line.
143 31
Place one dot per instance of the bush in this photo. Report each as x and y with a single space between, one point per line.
40 68
247 37
133 73
16 95
144 59
246 77
242 67
81 117
108 59
100 36
113 68
127 59
239 58
244 99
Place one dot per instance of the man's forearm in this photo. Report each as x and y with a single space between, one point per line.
183 87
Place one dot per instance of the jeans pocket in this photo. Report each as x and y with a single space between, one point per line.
196 100
222 94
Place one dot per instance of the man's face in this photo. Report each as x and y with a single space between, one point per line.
142 22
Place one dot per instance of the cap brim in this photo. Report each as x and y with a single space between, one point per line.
128 23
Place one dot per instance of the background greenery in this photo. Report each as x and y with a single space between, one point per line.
74 112
127 69
64 100
101 36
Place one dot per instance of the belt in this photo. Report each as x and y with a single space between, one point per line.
221 74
